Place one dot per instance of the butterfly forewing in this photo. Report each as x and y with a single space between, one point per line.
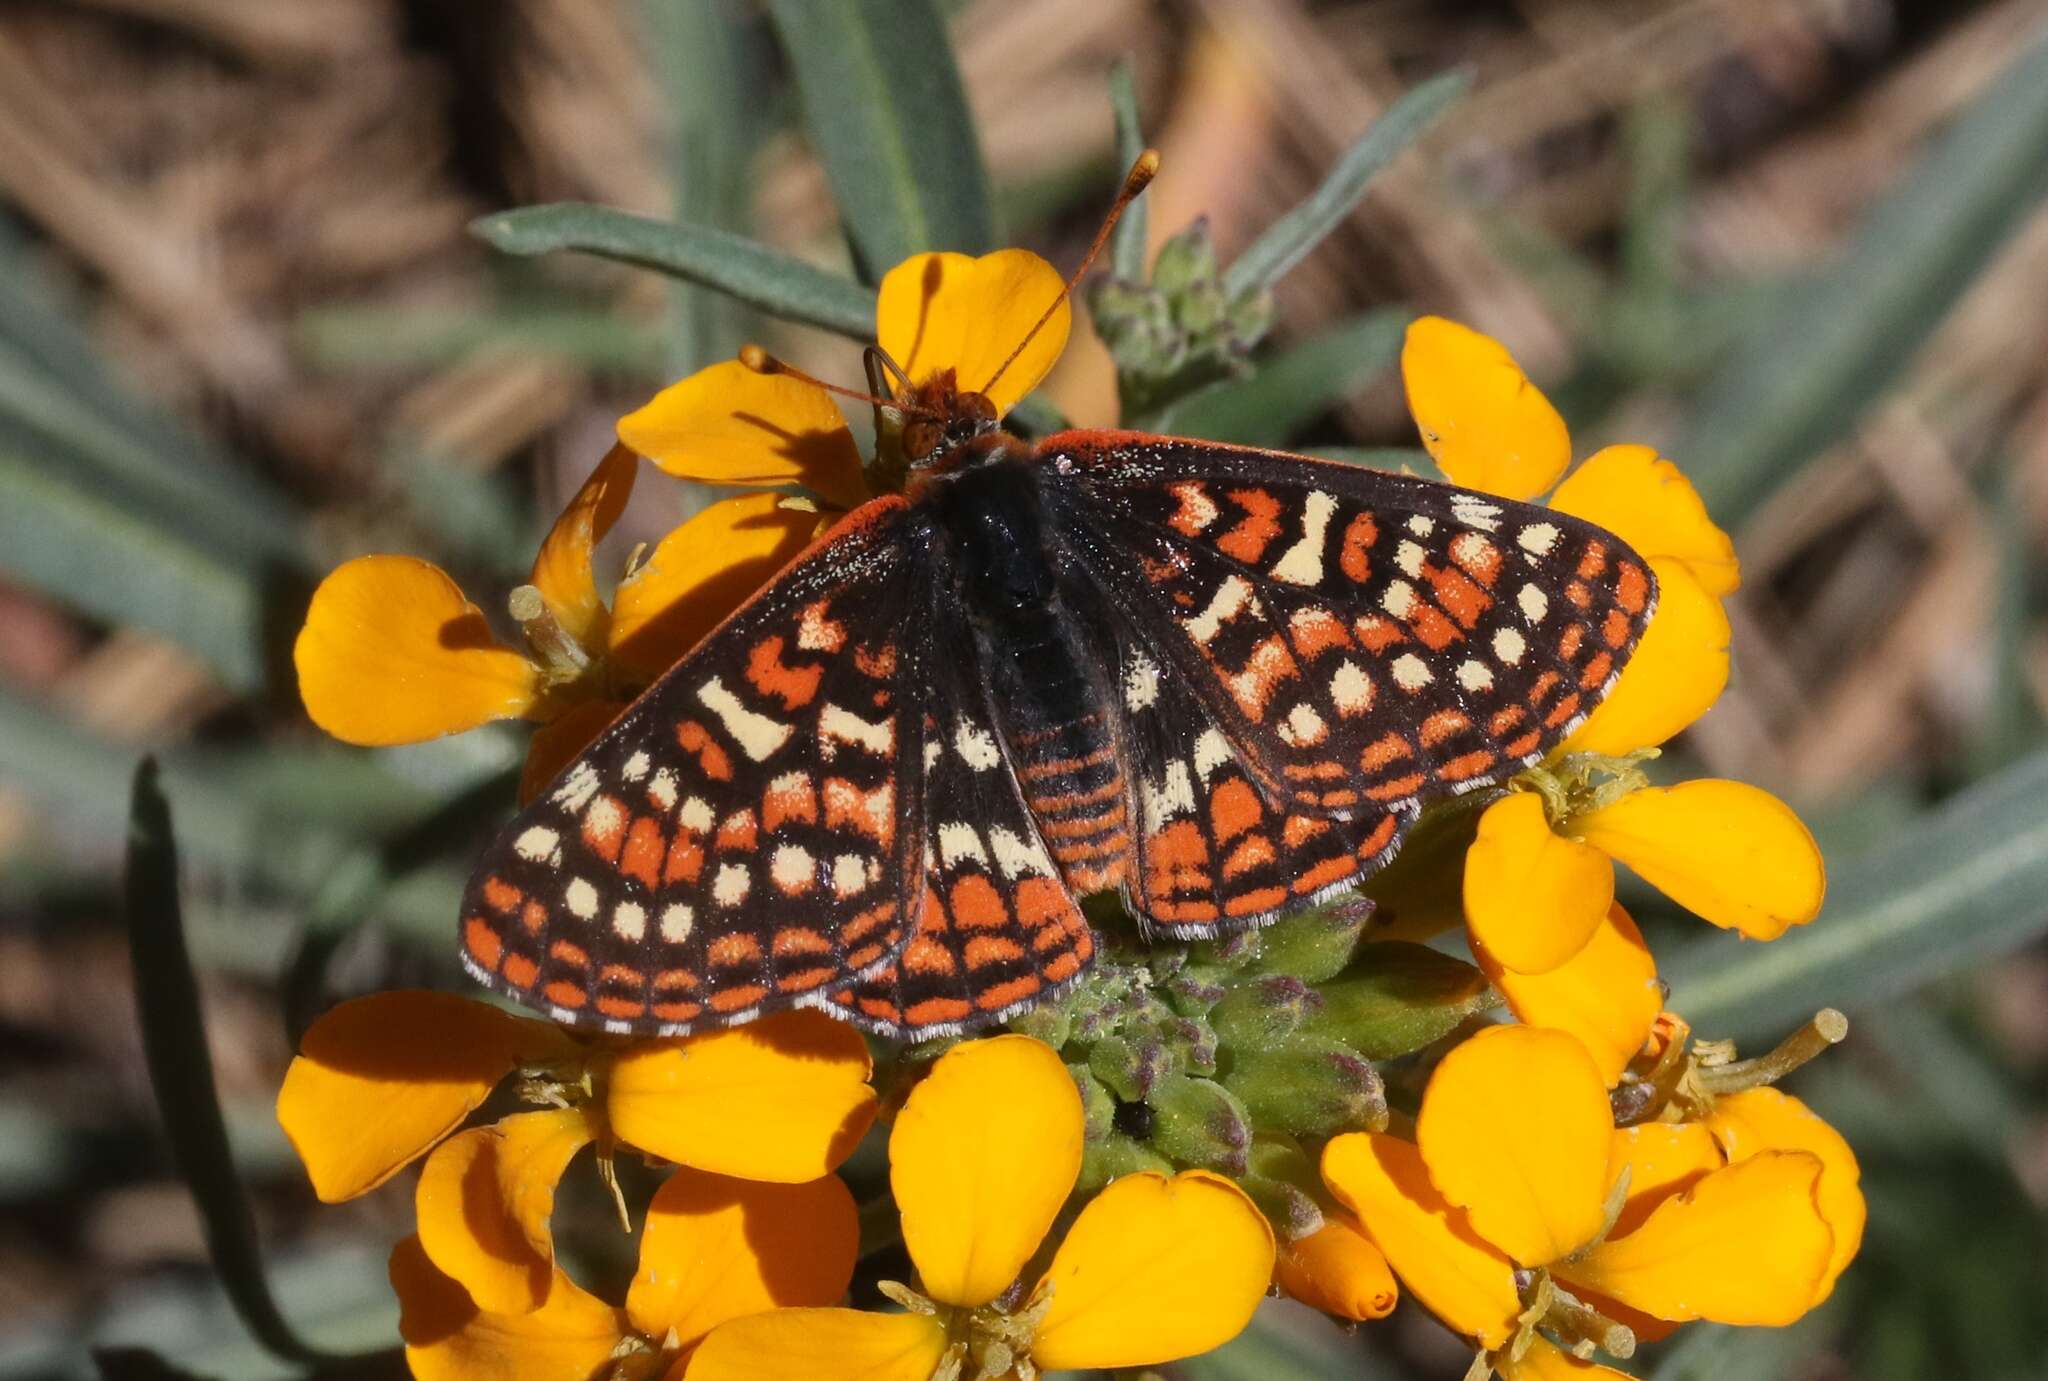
749 832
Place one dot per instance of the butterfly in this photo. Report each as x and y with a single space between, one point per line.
1220 681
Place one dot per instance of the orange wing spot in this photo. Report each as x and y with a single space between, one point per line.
864 922
1335 800
1563 710
997 996
1178 857
1430 625
1252 902
1269 664
1523 746
1039 901
1061 767
1312 771
685 858
1631 586
1196 509
739 832
520 971
738 999
1505 719
1543 686
1327 873
878 663
1464 601
1466 765
693 737
1397 788
1578 593
533 916
677 1011
976 905
501 895
789 800
1615 629
644 850
1065 966
1082 826
817 632
622 1008
1380 752
1255 852
1594 560
1101 878
803 980
872 813
1180 912
621 976
604 827
983 950
767 673
934 1010
1596 670
1247 542
1077 850
1479 557
730 951
1381 836
860 958
1573 638
483 943
1377 632
1234 808
566 952
1315 631
1442 725
675 981
882 1009
1358 539
924 955
798 939
565 994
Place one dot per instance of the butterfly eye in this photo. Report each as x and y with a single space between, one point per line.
921 438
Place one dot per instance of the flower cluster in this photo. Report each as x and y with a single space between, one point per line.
1571 1180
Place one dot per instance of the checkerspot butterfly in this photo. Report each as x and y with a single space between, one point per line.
1222 681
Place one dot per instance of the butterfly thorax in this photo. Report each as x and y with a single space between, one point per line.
1038 658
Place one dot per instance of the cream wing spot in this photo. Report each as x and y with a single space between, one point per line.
793 869
1212 750
1234 594
1399 600
1537 539
636 766
757 735
1303 727
1533 603
1017 856
1302 563
839 725
1410 672
676 921
1408 556
537 844
732 884
1509 646
976 747
662 790
1351 688
581 899
629 920
849 875
1175 795
1475 675
958 840
1141 683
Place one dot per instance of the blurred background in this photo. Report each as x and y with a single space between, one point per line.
245 334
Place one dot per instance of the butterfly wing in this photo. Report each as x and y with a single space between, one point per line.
1353 643
748 834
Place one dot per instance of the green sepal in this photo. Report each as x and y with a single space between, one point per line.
1128 1067
1257 1013
1049 1022
1398 997
1114 1156
1199 1122
1309 1085
1098 1105
1315 945
1293 1214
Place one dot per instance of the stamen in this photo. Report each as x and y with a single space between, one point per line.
1828 1027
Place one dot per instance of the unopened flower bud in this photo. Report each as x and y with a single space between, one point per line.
1255 1014
1129 1067
1197 1122
1317 945
1309 1086
1398 997
1338 1270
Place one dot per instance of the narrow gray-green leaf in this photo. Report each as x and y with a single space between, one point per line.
741 268
1837 341
181 1069
1127 242
1288 240
886 111
1965 884
1294 387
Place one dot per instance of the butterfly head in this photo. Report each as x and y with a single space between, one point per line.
942 421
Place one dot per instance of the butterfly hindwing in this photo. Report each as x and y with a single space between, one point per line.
749 832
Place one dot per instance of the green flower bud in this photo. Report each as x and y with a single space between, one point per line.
1317 945
1115 1155
1098 1106
1309 1086
1398 997
1049 1022
1128 1068
1197 1122
1255 1014
1185 259
1293 1214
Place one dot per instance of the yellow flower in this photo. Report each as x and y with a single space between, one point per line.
381 1080
1540 878
1517 1165
714 1249
981 1161
393 652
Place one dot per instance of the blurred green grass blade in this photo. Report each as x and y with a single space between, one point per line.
1966 883
181 1069
1288 240
885 109
1294 387
1717 1352
376 336
1127 242
1285 1341
1837 341
741 268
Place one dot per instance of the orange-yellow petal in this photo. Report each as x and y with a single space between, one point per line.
726 424
392 652
1662 1159
1532 897
821 1345
1606 995
1481 419
950 311
701 572
561 740
1338 1270
1155 1269
1515 1128
1726 851
1545 1361
484 1200
562 571
447 1338
981 1158
785 1098
1745 1245
1763 1119
1643 499
1677 672
380 1079
716 1248
1459 1277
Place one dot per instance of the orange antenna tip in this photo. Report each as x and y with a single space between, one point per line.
759 360
1143 170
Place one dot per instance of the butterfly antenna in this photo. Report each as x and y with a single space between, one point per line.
1142 172
761 362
